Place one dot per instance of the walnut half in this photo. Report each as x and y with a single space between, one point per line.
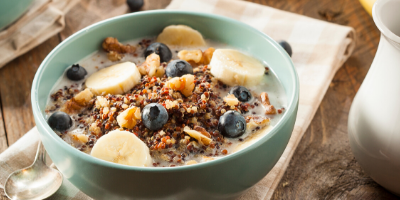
115 49
269 109
152 66
184 84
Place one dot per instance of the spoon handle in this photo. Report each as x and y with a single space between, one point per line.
40 153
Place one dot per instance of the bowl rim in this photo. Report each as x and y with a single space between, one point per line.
41 120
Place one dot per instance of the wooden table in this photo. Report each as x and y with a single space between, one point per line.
323 166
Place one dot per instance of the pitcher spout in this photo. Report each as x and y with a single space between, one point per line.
386 16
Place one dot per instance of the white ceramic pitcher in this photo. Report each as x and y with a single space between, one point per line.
374 120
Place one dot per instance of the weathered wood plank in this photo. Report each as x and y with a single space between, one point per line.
15 86
3 137
323 166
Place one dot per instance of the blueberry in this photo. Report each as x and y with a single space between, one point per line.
60 121
241 93
134 5
178 68
232 124
285 45
160 49
154 116
76 73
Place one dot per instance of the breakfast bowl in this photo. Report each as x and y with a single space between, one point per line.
11 10
223 178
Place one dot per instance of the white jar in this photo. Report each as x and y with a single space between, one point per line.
374 119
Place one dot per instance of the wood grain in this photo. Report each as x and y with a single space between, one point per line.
15 86
3 136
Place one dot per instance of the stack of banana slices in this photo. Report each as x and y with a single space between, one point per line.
229 66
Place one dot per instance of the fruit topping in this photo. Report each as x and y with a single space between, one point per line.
60 121
152 66
235 68
285 45
122 147
232 124
154 116
269 109
116 79
241 93
181 35
76 72
184 84
178 68
135 5
160 49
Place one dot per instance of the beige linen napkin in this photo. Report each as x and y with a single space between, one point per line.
44 19
319 49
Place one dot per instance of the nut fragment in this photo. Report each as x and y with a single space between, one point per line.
114 56
207 55
128 118
191 55
112 44
184 84
77 103
82 138
83 98
256 121
197 56
191 162
269 109
95 129
101 102
202 131
231 100
152 66
197 135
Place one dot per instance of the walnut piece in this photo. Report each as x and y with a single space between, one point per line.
112 44
101 102
152 66
256 121
94 129
202 131
197 56
83 97
197 135
191 55
269 109
191 162
129 117
81 137
77 103
231 100
184 84
114 56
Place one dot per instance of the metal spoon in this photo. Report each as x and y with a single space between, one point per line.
37 181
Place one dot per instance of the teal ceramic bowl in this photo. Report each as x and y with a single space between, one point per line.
11 10
224 178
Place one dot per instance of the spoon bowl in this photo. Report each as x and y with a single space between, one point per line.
37 181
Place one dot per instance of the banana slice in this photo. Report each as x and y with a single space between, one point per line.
235 68
116 79
181 35
122 147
